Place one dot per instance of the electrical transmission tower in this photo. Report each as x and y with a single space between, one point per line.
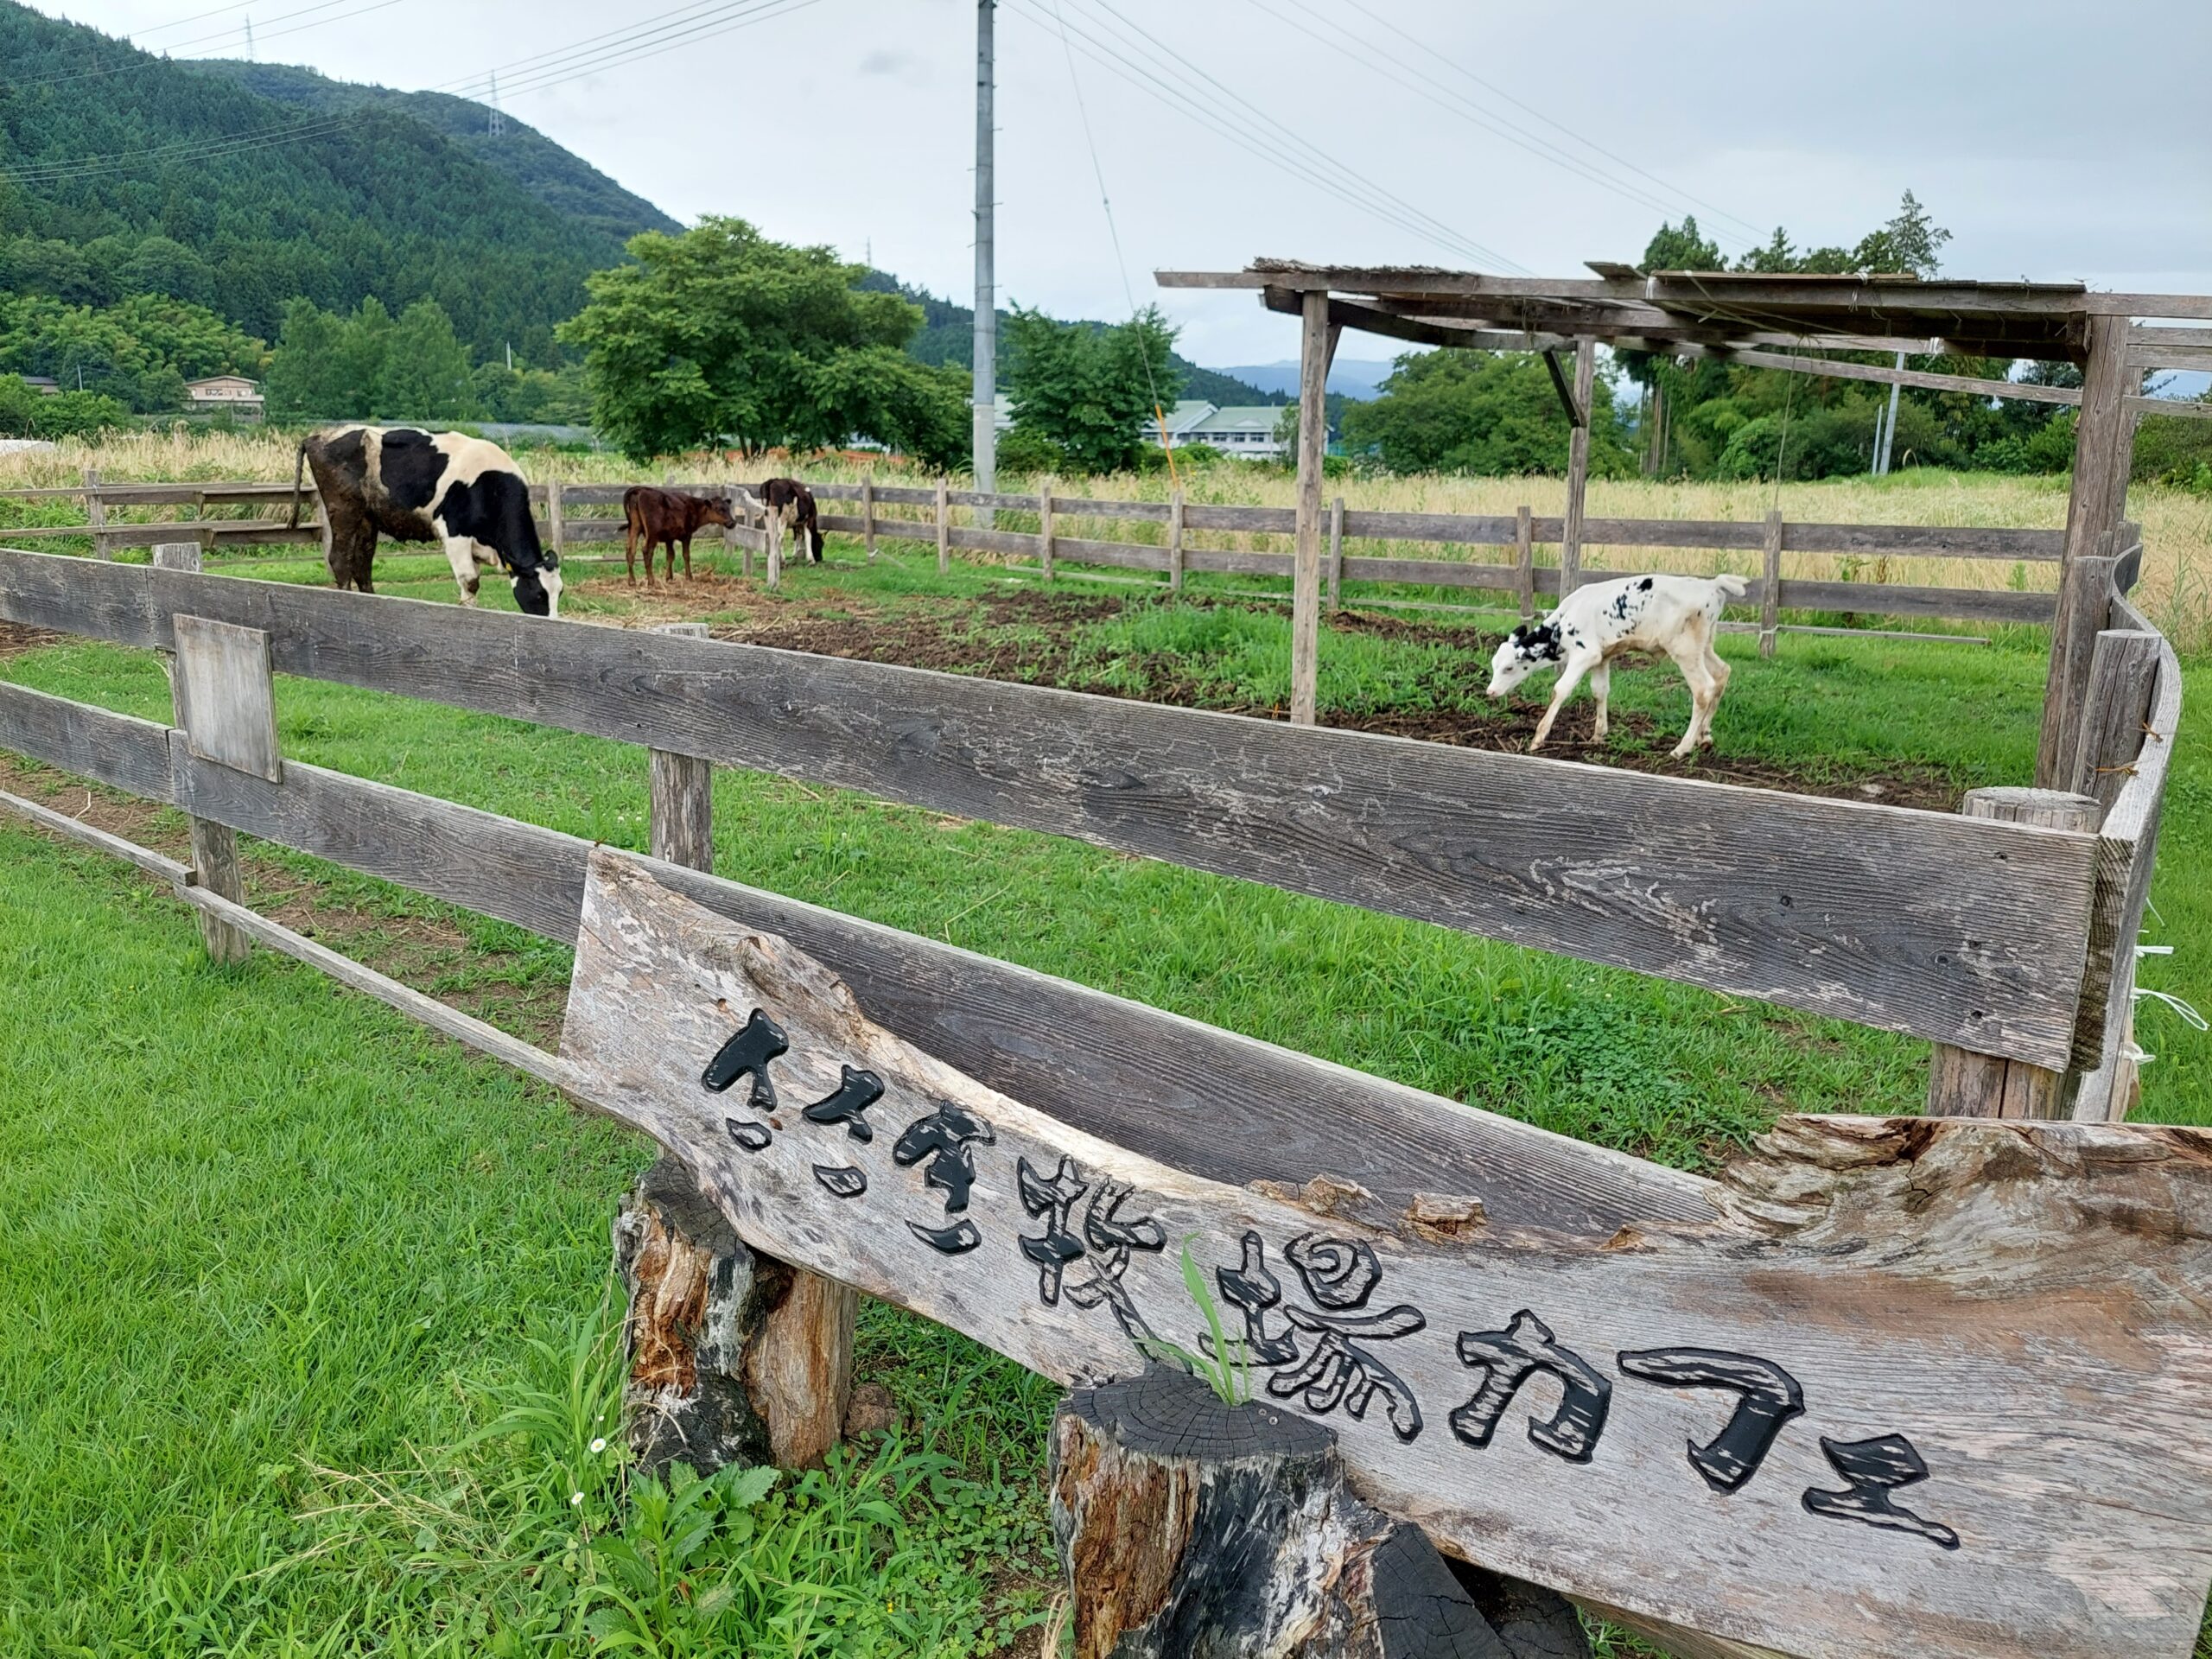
498 122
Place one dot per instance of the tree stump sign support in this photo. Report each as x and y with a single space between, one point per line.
734 1356
1190 1527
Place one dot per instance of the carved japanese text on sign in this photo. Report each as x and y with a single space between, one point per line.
1872 1458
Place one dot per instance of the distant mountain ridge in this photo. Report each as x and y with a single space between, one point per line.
1353 378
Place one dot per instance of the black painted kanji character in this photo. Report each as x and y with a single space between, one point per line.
841 1180
753 1137
1876 1468
956 1240
1767 1398
848 1102
945 1137
1111 1240
1331 1369
1054 1198
1252 1290
1508 1358
748 1054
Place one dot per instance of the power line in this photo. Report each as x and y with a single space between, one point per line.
1413 80
1298 141
1329 177
1496 91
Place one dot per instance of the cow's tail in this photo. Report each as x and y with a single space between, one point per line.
299 467
1731 584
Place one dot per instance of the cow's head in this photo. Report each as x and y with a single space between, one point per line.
538 592
715 511
1528 648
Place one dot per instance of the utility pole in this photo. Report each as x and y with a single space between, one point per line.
1889 431
987 316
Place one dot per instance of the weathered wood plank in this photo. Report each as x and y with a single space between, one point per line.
114 749
1465 530
1022 543
1281 521
229 667
1128 555
1770 585
1318 343
1119 1069
1233 562
1918 922
1892 599
1178 516
1944 1435
224 698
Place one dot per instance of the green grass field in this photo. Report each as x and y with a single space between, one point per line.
307 1315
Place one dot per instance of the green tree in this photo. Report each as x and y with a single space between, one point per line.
1483 412
722 333
1089 390
426 373
307 371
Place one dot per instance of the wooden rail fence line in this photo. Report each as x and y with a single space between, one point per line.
1971 934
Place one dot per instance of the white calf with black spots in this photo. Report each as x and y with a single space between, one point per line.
1678 615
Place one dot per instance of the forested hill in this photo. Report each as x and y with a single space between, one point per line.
563 181
122 173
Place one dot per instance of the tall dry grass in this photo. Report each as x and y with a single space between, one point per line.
2176 588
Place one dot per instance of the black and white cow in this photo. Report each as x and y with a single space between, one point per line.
1678 615
414 486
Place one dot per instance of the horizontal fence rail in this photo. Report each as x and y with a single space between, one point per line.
1121 1070
1972 934
2021 546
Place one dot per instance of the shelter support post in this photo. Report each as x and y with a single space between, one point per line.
1578 467
2104 445
1317 345
1175 542
556 529
1770 593
734 1357
1524 561
214 846
1964 1084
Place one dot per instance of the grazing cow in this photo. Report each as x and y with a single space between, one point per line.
1675 614
793 504
654 517
414 486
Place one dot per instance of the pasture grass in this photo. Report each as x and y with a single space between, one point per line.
313 1306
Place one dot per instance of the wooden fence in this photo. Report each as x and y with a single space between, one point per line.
2008 943
1177 552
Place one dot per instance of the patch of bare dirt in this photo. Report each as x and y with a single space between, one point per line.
15 638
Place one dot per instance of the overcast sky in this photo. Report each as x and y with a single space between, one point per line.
2048 136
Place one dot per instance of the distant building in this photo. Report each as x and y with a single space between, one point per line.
45 385
232 391
1239 430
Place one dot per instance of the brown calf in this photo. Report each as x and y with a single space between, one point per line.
671 517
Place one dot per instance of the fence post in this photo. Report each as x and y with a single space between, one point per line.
740 531
1317 345
214 846
1770 596
1962 1083
1336 553
1175 541
944 528
734 1357
96 514
1578 468
1045 527
1524 561
556 529
868 511
774 524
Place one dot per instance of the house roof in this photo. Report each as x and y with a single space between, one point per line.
1241 418
221 380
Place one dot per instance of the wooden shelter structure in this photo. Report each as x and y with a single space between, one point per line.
1733 315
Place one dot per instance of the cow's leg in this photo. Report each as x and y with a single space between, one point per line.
1570 675
460 554
687 561
1717 670
1601 687
630 552
1690 657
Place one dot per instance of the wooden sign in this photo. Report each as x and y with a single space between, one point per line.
1941 1388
